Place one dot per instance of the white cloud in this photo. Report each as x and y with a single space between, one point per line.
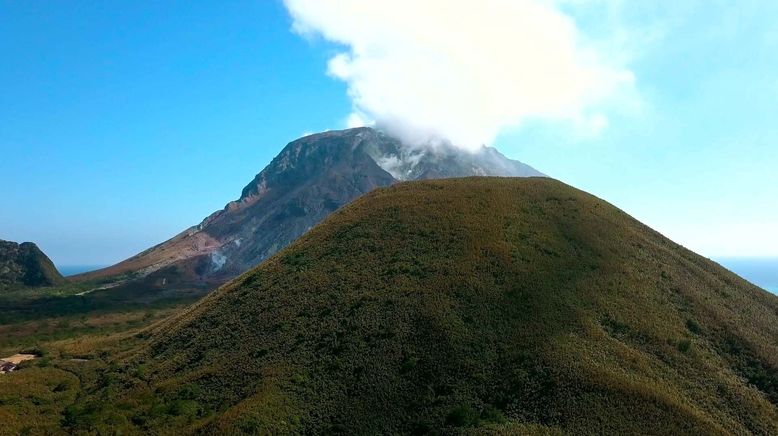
463 70
356 119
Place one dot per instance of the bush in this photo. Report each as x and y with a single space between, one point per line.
492 414
79 417
35 350
693 327
463 416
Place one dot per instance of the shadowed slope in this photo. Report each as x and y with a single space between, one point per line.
512 304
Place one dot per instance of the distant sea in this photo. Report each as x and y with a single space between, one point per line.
762 272
69 270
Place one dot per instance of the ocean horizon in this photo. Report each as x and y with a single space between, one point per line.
762 272
69 270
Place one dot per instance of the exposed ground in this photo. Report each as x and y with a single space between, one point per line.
18 358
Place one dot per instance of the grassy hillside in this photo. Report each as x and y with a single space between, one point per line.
477 305
86 299
74 352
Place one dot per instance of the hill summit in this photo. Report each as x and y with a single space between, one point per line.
26 265
311 177
477 304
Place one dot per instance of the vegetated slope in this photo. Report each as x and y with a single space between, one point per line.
310 178
513 305
25 265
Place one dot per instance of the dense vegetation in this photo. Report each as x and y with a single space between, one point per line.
21 335
22 303
476 306
75 330
73 350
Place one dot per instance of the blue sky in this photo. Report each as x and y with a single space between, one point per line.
121 124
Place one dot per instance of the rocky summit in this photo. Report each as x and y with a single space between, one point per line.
311 177
26 265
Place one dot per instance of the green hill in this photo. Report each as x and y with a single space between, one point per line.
470 305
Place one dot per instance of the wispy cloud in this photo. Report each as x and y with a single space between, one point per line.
464 70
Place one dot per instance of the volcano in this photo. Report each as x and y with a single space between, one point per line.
311 178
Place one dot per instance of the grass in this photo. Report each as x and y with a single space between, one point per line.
74 342
27 334
19 304
470 306
43 395
32 399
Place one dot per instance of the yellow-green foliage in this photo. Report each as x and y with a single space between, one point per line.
35 398
477 306
32 399
20 335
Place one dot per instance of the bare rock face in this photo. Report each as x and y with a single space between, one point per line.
311 177
25 265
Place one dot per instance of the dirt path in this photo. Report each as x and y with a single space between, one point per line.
18 358
9 364
108 286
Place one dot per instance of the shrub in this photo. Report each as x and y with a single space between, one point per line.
463 416
693 327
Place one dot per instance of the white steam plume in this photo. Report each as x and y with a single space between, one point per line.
461 70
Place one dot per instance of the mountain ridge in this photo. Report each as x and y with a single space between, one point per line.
309 179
